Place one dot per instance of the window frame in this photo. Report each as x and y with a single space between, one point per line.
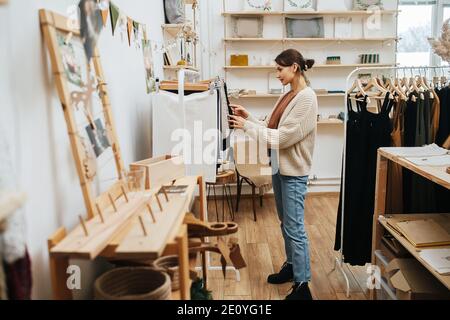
437 17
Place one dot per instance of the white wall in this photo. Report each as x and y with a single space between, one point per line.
30 107
327 159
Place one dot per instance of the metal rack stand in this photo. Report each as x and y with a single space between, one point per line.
339 260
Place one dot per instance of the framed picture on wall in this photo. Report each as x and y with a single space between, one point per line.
98 137
367 4
298 5
73 65
331 5
258 5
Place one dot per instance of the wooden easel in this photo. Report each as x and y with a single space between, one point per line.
52 23
111 215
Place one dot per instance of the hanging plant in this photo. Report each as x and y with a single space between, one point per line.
441 46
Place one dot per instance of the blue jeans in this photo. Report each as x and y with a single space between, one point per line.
290 195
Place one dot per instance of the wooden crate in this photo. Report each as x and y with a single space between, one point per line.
161 170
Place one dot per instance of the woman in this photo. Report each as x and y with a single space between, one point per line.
289 133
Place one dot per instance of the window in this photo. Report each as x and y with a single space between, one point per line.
414 28
446 16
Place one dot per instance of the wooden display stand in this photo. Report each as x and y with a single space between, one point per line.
380 226
120 223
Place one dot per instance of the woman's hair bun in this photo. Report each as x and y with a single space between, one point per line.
309 63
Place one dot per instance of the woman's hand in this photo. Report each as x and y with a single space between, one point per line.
240 111
236 122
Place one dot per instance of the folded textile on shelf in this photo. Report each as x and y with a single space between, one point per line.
438 259
425 151
435 161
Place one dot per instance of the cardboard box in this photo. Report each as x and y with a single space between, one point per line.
413 282
239 60
161 170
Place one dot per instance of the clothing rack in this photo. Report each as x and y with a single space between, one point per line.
339 260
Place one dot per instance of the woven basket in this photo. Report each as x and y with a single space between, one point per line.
169 264
133 283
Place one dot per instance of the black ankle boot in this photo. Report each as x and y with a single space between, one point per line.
300 292
285 275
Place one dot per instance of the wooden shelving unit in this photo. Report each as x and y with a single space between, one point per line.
275 39
437 175
171 32
445 280
276 96
320 66
309 39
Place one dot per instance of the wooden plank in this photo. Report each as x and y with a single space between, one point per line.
203 217
77 244
445 280
380 201
436 174
135 245
57 21
183 260
58 268
161 170
103 201
258 258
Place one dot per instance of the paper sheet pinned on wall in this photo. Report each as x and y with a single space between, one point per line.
91 25
114 12
129 29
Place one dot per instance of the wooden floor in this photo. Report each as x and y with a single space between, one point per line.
262 246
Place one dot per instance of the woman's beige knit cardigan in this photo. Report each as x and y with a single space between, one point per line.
295 137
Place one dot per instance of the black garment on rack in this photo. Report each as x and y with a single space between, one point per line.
366 133
444 117
411 119
443 194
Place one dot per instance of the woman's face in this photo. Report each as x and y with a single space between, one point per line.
286 74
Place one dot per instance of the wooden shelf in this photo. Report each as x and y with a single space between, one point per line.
276 96
253 39
438 175
309 39
176 68
317 13
445 280
330 122
320 66
341 39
